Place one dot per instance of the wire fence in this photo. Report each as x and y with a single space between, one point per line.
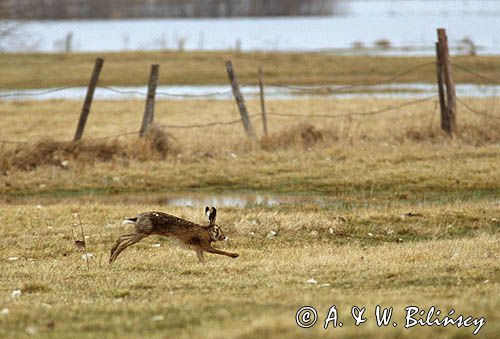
34 93
326 90
339 89
482 77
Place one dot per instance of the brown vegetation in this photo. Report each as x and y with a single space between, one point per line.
27 156
302 135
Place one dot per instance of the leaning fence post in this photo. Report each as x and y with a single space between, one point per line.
262 102
239 100
451 99
149 110
88 99
442 99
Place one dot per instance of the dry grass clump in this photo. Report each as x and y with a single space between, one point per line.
480 134
472 133
302 135
156 145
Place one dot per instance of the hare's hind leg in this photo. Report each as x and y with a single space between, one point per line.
126 241
119 240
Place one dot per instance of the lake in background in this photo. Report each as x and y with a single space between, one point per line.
409 26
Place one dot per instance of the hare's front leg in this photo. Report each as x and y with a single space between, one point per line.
199 254
210 249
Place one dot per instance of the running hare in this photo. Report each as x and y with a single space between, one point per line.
195 236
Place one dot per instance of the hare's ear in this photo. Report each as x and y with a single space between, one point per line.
212 215
207 212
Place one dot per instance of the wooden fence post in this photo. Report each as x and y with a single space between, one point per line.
88 99
445 126
149 110
239 100
451 98
262 102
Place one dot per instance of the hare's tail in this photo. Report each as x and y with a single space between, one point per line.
129 221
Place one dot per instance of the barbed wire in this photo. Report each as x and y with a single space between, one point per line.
210 124
122 91
345 115
479 75
203 95
3 141
331 89
115 90
167 94
35 93
476 111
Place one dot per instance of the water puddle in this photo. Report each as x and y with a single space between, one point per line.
395 90
234 200
177 199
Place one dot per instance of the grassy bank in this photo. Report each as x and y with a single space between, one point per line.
398 153
198 68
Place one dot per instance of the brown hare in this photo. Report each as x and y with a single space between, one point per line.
197 237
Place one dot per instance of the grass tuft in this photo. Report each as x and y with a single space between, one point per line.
303 135
156 145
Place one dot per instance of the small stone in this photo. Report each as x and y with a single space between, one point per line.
312 281
271 234
13 258
118 301
156 245
157 317
31 330
324 285
370 234
65 164
330 230
87 256
4 311
314 233
16 294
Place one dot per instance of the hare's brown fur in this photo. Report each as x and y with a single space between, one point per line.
197 237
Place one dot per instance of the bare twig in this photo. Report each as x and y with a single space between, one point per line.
84 242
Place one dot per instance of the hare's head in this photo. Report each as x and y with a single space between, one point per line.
215 231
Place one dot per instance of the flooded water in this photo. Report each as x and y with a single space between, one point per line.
408 26
226 200
411 90
240 200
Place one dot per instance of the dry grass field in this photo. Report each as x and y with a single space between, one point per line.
198 68
447 258
343 236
